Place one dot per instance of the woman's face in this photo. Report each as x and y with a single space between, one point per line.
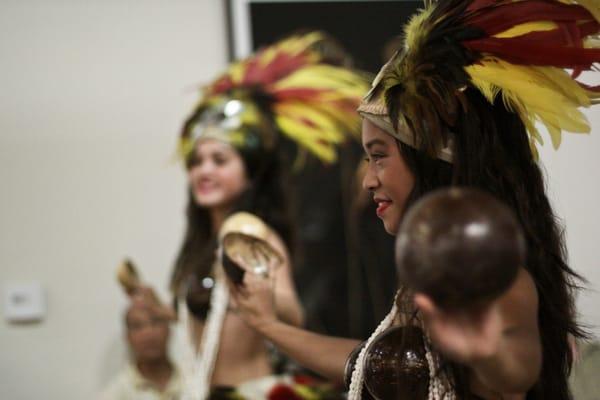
217 175
388 177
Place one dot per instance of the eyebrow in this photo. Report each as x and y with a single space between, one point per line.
373 142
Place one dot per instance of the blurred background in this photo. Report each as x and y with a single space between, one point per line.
93 97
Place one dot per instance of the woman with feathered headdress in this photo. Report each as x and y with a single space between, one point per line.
458 106
261 118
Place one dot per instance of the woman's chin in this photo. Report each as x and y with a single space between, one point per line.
208 201
390 228
390 224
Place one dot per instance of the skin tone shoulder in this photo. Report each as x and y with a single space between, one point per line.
499 342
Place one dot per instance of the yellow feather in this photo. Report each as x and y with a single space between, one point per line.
185 147
529 27
307 137
322 126
414 31
325 76
236 71
535 93
560 80
591 42
349 121
593 96
267 56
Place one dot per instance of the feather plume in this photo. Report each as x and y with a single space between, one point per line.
516 49
293 84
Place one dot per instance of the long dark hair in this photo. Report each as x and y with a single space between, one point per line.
492 152
265 198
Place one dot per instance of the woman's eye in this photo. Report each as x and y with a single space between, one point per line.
219 160
376 157
193 162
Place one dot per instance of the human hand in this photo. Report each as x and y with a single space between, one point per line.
254 300
145 297
465 336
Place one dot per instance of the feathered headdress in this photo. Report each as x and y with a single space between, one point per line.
295 87
516 49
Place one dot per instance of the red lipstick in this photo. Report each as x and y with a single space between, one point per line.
382 205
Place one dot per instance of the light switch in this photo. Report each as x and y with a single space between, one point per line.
24 302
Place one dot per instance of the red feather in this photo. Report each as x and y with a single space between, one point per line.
295 93
504 16
562 37
478 4
281 65
519 51
282 392
573 37
252 72
222 85
304 380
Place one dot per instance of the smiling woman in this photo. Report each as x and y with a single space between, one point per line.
217 177
225 177
387 177
291 95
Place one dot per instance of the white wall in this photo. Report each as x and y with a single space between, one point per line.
92 97
574 184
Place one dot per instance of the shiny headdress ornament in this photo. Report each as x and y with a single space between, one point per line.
292 87
516 49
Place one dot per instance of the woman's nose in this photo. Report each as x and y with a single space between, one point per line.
203 168
369 181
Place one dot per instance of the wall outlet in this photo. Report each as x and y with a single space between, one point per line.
24 302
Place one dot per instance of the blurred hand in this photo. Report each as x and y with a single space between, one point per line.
464 336
145 296
254 300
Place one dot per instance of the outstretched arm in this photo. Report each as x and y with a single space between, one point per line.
325 355
500 341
